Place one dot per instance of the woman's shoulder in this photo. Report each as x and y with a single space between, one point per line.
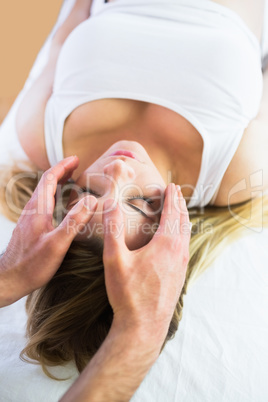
246 175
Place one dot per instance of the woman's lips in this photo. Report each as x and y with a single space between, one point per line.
124 153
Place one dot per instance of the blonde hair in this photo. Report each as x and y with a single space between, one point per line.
69 318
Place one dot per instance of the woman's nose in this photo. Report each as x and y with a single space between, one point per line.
120 171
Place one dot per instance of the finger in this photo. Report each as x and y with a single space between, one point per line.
76 220
46 189
61 172
185 224
170 216
66 177
114 230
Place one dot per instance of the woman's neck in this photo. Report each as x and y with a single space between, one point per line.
173 144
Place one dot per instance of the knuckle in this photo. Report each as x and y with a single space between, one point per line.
54 244
75 213
49 176
47 242
71 223
43 245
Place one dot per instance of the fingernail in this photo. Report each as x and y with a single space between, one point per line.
90 203
70 159
178 187
191 225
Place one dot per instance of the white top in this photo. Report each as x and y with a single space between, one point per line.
194 57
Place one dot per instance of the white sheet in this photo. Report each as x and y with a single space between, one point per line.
220 353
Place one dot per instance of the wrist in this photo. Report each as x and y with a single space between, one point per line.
142 333
9 288
5 283
117 369
140 339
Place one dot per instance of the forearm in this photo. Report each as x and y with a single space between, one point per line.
8 291
117 369
30 114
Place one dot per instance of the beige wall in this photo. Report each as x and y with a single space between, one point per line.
24 26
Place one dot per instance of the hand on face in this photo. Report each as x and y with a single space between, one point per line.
144 285
37 249
129 177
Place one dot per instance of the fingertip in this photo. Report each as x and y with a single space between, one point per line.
63 170
174 189
170 186
183 204
182 201
71 162
83 209
72 158
78 216
170 189
90 202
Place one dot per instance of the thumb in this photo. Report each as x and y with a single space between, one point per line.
114 230
76 219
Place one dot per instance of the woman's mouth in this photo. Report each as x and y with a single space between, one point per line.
124 153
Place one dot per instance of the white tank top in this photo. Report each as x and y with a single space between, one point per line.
194 57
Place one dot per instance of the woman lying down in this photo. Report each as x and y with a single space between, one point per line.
144 93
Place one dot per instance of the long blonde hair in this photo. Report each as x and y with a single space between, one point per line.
69 318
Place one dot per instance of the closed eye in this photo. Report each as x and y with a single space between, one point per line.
141 199
89 191
137 209
128 200
80 191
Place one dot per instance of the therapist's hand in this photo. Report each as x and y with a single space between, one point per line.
144 285
37 249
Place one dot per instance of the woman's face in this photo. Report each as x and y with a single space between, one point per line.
126 174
